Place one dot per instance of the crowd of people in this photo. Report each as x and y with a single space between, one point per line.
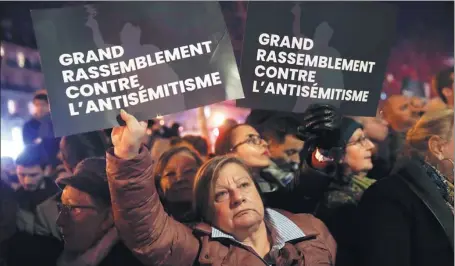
315 188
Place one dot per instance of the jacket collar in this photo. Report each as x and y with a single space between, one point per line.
94 255
286 230
417 180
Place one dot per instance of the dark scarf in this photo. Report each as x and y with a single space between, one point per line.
444 187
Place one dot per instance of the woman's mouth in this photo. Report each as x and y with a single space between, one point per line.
182 186
240 213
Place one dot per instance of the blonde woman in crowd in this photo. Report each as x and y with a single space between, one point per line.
407 218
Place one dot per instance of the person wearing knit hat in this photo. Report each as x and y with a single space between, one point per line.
337 207
86 221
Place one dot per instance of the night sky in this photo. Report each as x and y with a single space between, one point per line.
429 20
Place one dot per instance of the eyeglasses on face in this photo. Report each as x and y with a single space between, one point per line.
67 209
363 140
251 139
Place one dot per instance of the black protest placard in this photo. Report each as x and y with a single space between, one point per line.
296 54
149 58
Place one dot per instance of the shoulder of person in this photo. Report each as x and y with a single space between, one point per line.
32 122
51 185
49 202
201 229
308 223
391 188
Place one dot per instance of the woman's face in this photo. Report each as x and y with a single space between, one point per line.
178 176
238 207
358 152
250 147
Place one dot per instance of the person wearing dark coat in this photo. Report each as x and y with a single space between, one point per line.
39 129
86 222
407 218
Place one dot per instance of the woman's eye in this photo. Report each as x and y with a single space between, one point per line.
220 195
245 185
169 174
190 171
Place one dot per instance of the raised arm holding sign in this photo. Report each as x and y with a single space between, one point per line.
154 58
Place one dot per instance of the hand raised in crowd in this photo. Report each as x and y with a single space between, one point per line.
321 131
319 122
127 139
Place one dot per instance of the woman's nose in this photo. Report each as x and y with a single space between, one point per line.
369 144
237 197
185 177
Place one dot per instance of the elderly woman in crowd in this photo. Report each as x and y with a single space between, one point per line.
174 177
407 218
236 228
377 130
351 181
348 182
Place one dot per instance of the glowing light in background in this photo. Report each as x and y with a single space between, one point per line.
162 122
12 148
31 108
20 59
16 132
390 78
449 61
427 89
2 51
216 132
11 107
218 119
207 111
383 96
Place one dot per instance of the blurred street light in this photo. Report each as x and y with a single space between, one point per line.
218 119
11 107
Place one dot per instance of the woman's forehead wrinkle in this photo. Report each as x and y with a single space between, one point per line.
230 181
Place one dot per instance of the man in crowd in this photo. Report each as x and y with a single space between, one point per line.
27 246
86 219
279 129
284 146
36 187
399 113
39 129
443 87
30 131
